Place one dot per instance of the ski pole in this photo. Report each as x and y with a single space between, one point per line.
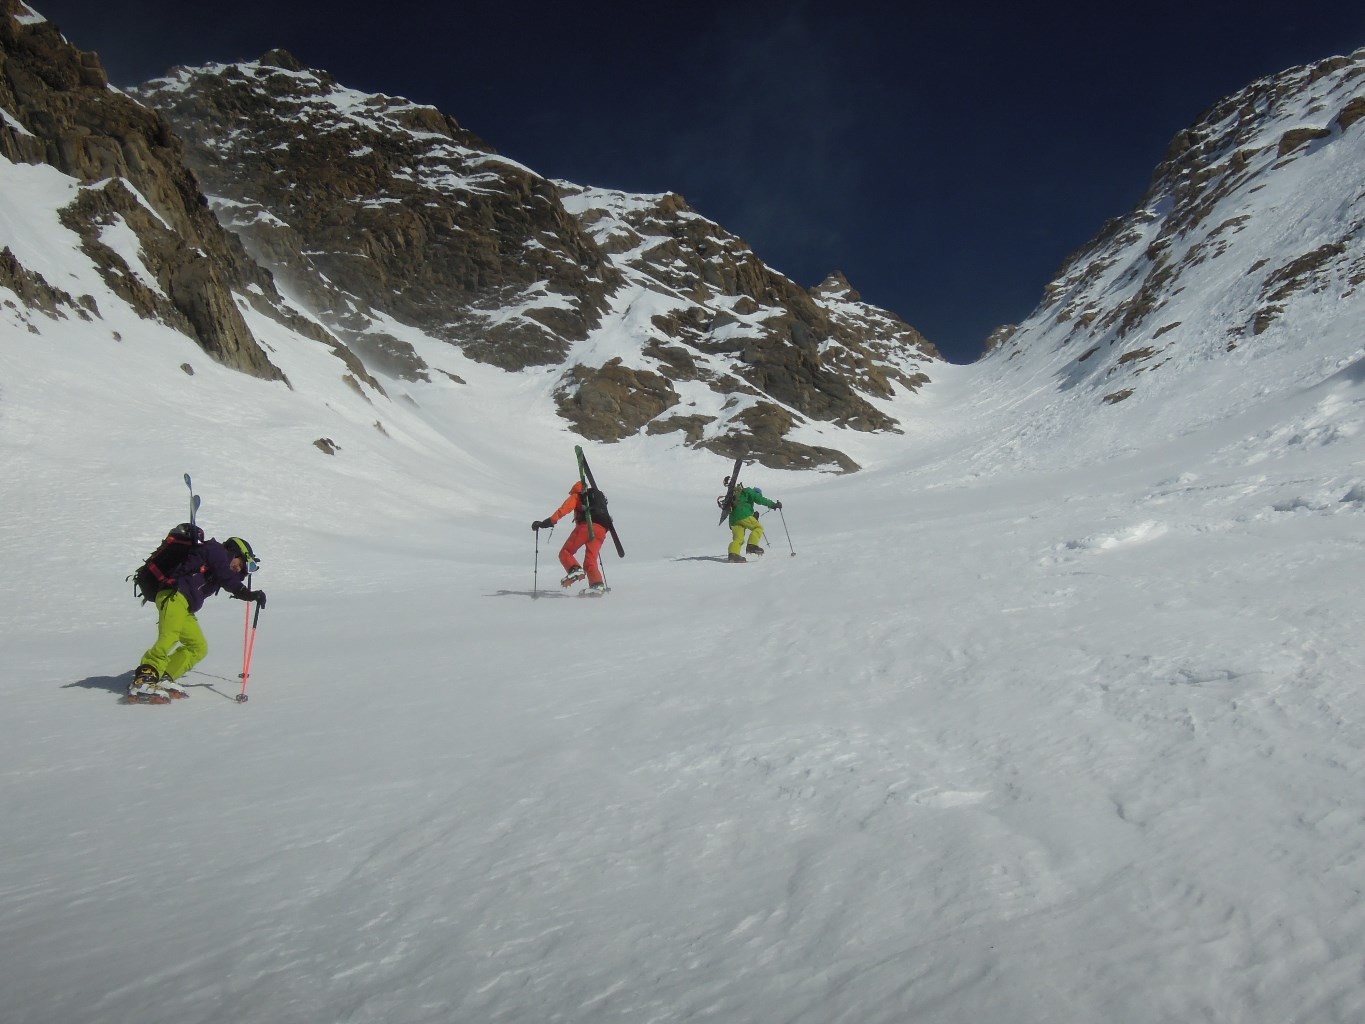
786 531
601 562
247 650
535 577
248 647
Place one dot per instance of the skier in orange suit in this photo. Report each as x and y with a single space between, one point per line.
580 538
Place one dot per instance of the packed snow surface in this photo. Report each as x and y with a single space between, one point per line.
1076 741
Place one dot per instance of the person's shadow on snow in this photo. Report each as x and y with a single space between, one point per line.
119 684
114 684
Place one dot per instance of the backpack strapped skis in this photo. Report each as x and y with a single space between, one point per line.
726 501
595 502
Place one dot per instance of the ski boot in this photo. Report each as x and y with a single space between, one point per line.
595 590
173 689
736 558
575 575
145 688
753 549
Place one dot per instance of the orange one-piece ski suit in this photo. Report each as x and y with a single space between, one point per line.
580 536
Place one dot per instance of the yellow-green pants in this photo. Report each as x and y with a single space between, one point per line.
755 529
175 624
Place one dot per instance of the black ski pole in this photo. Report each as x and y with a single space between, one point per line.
535 578
786 531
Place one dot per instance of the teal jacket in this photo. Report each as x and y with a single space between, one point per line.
745 500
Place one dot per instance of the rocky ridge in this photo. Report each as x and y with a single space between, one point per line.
351 213
723 339
60 110
1272 169
362 203
369 207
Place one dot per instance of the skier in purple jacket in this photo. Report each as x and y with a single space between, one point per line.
180 643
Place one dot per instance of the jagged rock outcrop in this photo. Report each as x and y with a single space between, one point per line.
61 112
372 203
872 348
35 292
713 317
998 337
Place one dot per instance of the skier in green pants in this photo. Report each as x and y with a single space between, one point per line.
180 643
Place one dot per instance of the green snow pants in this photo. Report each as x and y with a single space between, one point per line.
175 625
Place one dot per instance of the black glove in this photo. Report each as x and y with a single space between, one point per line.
258 596
544 524
777 504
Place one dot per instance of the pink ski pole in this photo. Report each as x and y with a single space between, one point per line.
248 647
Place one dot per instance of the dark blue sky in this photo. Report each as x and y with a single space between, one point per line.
947 161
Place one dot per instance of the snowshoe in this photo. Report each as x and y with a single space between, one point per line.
753 549
145 688
157 697
173 689
595 590
736 558
574 576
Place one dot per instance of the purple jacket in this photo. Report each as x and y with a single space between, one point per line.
207 570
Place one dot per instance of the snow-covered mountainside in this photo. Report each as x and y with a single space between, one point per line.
1248 247
1050 713
367 205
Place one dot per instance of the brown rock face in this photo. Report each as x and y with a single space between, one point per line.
728 321
366 204
613 402
368 209
377 204
74 122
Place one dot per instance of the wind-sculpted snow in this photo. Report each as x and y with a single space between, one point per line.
1032 732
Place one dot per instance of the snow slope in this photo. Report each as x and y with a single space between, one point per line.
1054 714
1076 743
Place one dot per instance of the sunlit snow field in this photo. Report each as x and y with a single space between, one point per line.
1053 724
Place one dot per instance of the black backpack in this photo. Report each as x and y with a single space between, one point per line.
158 571
596 503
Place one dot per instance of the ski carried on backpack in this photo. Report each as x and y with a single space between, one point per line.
727 500
592 494
157 570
